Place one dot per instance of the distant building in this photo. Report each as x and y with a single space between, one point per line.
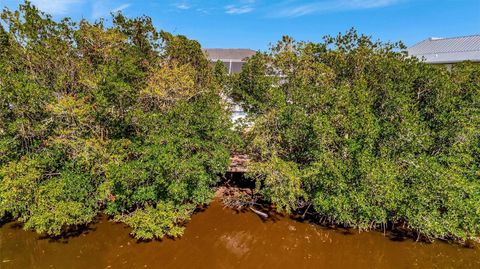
447 50
233 59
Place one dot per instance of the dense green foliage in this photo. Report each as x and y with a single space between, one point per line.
129 121
366 136
123 120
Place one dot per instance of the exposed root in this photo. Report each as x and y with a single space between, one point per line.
236 198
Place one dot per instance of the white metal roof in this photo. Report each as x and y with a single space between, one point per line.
447 50
234 55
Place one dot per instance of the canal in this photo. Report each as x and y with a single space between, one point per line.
224 238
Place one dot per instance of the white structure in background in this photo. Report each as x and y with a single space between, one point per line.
447 51
237 113
233 59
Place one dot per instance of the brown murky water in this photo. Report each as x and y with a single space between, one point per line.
223 238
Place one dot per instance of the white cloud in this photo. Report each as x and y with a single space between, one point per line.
183 6
56 7
99 9
332 5
232 9
120 8
235 7
370 3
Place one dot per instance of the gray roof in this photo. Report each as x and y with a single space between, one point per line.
447 50
229 54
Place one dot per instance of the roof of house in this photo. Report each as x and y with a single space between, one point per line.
229 54
447 50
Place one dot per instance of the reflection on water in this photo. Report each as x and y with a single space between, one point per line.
238 243
223 238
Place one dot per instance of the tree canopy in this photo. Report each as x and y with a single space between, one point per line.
120 119
365 135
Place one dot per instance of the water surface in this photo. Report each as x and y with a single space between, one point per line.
224 238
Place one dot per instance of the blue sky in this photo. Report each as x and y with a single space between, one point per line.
257 23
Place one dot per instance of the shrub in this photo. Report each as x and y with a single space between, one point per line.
371 137
123 120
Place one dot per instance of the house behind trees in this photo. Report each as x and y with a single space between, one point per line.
447 51
233 59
